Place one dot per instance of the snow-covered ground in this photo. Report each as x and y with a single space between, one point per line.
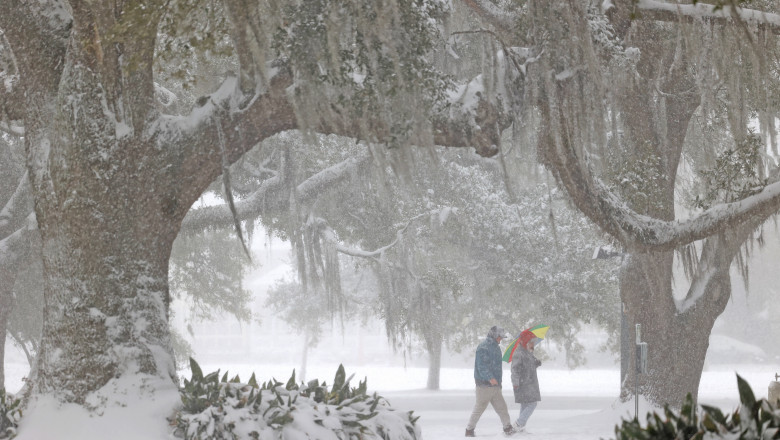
577 405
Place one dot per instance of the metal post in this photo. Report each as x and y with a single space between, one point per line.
773 394
636 372
625 344
639 333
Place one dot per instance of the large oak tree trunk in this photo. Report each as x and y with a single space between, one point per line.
106 290
677 342
107 219
677 335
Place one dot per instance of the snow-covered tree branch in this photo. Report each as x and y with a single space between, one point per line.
706 13
641 233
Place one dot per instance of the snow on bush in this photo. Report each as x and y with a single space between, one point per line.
752 420
10 413
215 408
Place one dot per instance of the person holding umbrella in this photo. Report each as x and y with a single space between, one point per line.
525 383
487 376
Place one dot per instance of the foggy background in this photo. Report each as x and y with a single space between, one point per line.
746 333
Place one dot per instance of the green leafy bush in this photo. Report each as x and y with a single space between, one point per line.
218 408
10 413
752 420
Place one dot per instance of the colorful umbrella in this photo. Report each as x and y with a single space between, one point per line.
537 332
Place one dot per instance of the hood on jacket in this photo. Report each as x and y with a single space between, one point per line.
497 332
525 337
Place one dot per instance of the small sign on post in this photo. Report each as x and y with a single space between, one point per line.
773 394
640 368
641 357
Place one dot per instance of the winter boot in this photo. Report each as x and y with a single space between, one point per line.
509 430
470 433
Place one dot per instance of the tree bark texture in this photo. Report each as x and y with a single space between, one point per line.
677 342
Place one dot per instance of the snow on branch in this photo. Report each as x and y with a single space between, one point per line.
44 24
330 236
164 97
717 253
662 11
12 128
265 198
708 269
13 246
321 181
17 209
490 13
248 208
643 233
513 53
11 103
246 120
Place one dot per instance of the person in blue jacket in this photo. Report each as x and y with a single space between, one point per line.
487 376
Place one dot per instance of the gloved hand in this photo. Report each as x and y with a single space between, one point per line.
538 363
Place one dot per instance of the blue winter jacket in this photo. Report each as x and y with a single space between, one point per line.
487 363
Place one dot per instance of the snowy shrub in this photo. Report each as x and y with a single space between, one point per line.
752 420
10 413
218 408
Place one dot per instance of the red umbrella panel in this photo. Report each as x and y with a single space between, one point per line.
537 332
